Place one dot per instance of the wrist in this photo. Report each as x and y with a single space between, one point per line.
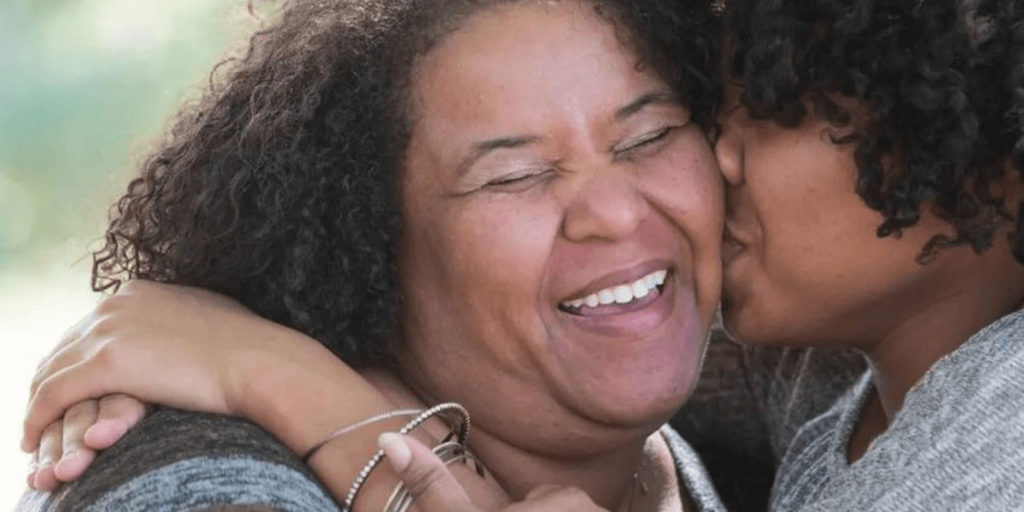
303 395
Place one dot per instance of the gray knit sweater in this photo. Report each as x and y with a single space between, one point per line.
177 461
748 405
957 445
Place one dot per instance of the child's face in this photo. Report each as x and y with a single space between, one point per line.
802 262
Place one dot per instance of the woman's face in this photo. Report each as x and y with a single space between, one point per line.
562 226
802 262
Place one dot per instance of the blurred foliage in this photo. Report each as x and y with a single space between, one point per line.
85 87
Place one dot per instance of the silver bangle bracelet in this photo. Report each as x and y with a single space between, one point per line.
461 435
449 452
357 425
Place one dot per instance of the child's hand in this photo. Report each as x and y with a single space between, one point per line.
69 445
170 345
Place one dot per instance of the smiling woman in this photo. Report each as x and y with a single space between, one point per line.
444 194
551 230
597 193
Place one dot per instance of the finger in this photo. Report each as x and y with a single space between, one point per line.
117 414
71 466
424 475
75 456
60 391
49 451
33 467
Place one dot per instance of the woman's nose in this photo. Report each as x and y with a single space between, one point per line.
607 207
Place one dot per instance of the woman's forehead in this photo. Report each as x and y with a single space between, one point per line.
525 63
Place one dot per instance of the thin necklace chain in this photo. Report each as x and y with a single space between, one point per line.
637 484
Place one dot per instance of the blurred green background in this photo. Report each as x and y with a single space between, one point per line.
86 86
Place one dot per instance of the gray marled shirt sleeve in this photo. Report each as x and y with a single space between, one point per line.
178 461
957 445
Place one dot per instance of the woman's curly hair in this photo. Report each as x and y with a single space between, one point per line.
279 186
942 83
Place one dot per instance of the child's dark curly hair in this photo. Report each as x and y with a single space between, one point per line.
278 187
942 83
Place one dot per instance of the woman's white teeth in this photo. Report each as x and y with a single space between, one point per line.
623 293
639 289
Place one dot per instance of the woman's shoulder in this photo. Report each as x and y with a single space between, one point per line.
175 460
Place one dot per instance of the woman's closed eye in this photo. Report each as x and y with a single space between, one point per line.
650 140
518 180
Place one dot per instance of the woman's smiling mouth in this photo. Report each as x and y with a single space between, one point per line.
660 308
619 298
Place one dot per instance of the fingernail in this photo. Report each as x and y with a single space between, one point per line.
396 450
33 466
116 424
104 433
44 478
60 469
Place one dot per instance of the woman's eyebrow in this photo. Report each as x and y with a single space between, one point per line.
651 98
482 148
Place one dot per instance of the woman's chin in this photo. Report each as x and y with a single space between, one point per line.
644 409
606 424
639 394
635 380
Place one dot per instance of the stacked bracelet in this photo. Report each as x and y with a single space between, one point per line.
357 425
449 452
460 430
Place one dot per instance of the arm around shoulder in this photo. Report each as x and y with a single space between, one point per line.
187 461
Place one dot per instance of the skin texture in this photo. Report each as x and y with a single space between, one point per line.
599 194
803 265
794 223
613 182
